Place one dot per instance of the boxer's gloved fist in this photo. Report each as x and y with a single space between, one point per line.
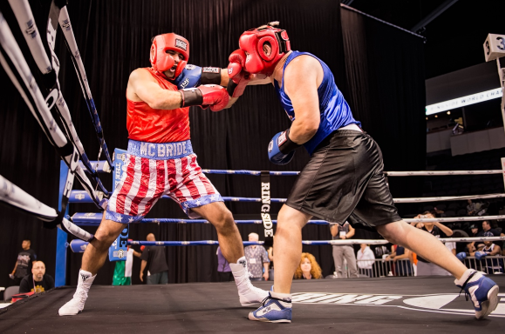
189 77
238 77
461 256
480 255
204 96
281 148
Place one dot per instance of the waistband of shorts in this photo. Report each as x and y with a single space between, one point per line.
339 133
160 151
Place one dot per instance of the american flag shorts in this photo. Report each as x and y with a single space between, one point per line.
145 180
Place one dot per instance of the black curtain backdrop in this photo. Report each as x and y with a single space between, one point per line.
378 67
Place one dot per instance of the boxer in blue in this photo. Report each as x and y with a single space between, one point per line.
344 178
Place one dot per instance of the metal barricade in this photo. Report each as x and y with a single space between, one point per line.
383 268
488 264
403 267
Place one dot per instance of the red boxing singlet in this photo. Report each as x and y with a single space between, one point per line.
155 125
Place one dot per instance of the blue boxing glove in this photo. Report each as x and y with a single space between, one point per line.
281 148
189 77
194 76
480 255
461 256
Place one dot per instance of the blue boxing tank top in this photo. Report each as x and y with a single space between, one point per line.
335 112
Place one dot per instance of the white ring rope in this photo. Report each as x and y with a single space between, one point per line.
453 219
78 246
446 172
444 198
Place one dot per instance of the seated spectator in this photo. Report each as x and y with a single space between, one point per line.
472 233
487 231
308 268
486 253
470 208
366 259
37 281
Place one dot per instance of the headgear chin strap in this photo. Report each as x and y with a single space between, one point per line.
161 61
252 42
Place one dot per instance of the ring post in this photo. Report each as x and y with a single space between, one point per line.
61 238
118 249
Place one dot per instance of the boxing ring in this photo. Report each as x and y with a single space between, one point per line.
404 304
412 304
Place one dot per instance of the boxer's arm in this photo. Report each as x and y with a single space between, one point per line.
142 87
302 77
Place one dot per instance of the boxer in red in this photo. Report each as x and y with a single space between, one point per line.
161 161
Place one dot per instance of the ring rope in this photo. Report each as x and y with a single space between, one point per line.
77 244
94 218
447 172
81 196
392 173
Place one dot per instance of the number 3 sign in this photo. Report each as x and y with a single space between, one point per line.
494 47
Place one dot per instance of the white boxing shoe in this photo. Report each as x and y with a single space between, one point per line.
252 296
76 304
249 294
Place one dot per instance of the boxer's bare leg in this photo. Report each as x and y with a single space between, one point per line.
233 250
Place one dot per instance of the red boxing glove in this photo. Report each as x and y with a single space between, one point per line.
204 96
237 62
238 77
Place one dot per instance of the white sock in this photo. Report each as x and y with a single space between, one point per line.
239 269
464 277
85 279
283 296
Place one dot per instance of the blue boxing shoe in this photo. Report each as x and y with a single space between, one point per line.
273 309
482 291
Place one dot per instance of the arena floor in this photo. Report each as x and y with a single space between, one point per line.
386 305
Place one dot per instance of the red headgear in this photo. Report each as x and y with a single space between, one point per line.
252 42
161 60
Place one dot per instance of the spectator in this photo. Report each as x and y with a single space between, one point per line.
123 269
424 268
223 267
24 262
487 231
473 232
257 260
485 253
366 259
37 281
153 257
401 257
470 208
270 252
343 232
308 268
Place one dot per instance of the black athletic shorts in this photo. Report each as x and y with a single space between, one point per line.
344 180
